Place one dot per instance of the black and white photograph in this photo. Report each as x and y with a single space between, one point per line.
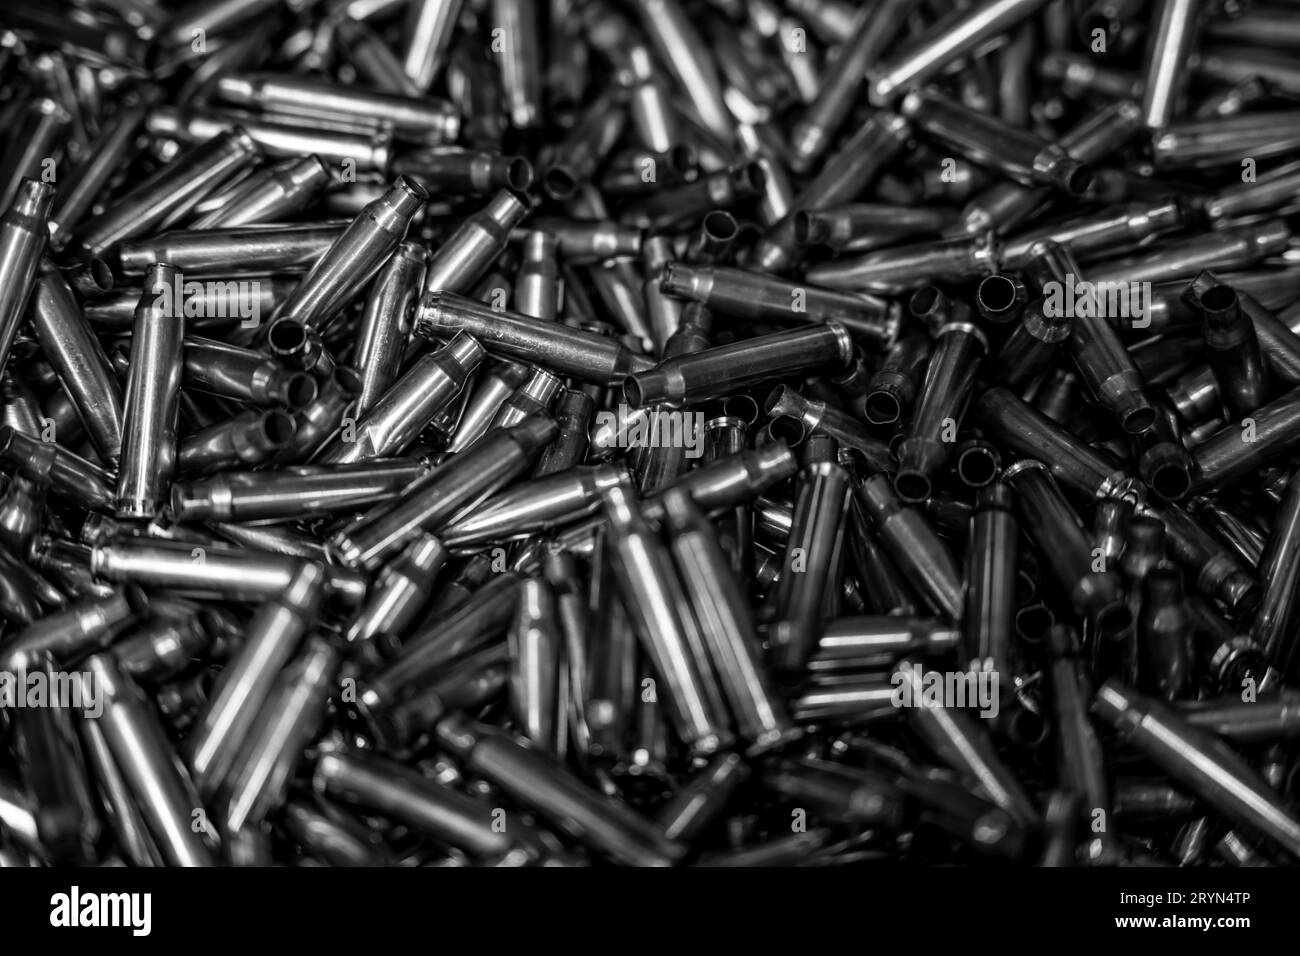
846 452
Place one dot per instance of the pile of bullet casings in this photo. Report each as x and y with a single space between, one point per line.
658 432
